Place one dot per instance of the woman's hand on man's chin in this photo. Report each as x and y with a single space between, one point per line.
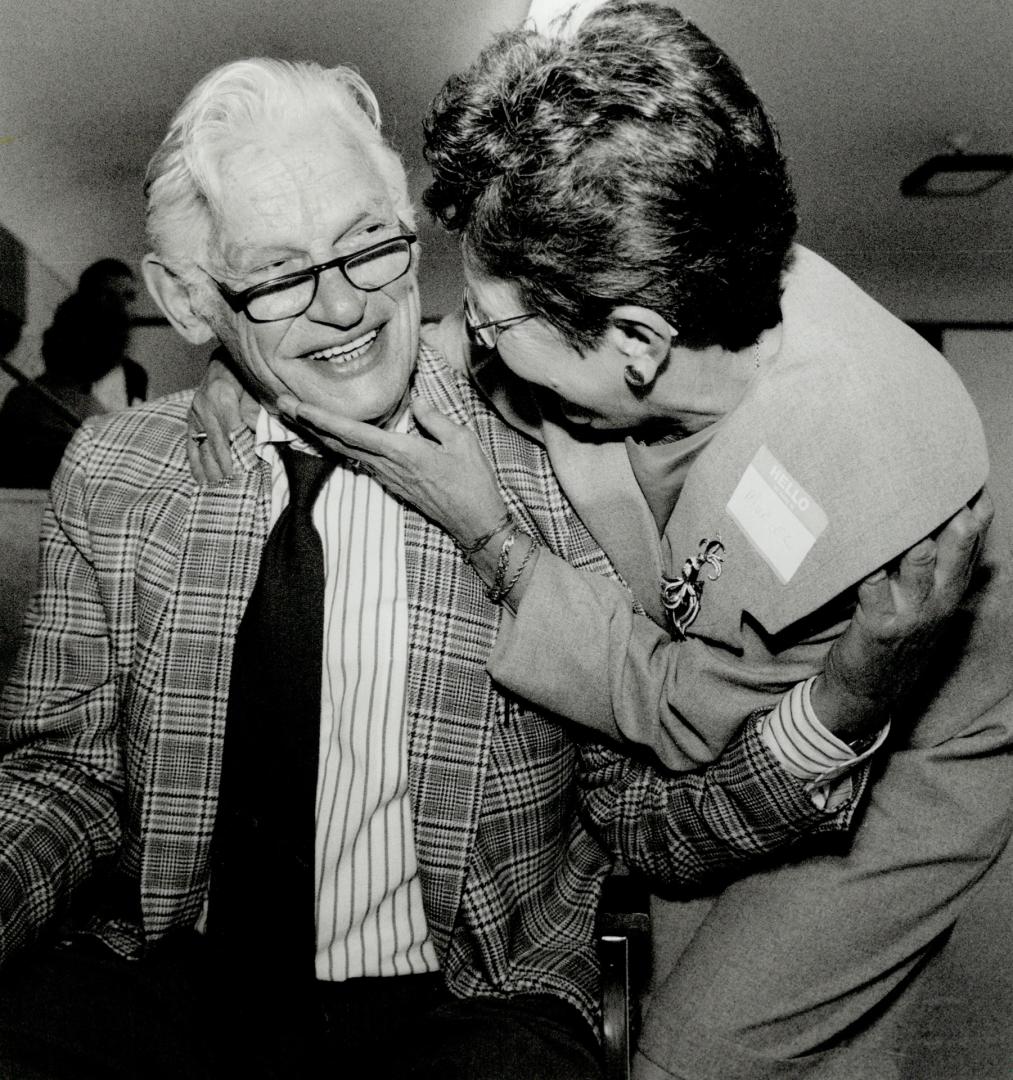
443 472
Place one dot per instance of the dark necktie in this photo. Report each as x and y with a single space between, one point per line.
262 901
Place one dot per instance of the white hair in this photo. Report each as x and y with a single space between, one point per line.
182 186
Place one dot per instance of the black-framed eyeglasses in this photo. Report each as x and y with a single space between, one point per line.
486 334
285 297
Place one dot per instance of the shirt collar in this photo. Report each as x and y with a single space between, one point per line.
271 430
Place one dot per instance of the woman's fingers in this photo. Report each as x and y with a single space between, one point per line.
442 471
193 458
961 541
345 435
914 582
214 412
211 455
435 423
202 434
216 450
369 443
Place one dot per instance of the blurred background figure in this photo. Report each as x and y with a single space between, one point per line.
110 282
84 343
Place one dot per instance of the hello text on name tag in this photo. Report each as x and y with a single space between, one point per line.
776 514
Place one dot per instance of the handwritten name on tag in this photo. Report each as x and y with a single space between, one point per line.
776 514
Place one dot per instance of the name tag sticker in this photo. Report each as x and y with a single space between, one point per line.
776 514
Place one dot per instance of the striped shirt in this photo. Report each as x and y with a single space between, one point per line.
808 751
369 912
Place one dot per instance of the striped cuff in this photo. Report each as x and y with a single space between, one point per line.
792 732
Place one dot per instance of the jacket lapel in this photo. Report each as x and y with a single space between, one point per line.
221 534
222 537
451 709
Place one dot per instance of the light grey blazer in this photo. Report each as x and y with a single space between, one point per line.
853 442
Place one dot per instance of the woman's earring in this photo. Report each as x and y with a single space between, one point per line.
634 377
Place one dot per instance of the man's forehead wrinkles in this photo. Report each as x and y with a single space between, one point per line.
303 196
325 194
236 257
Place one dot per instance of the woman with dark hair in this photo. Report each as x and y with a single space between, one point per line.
635 302
749 437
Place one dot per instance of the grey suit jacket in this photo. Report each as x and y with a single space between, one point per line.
857 440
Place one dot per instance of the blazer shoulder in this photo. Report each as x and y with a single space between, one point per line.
160 422
456 394
126 456
841 457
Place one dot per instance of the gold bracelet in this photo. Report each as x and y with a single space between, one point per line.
509 586
496 588
500 588
479 543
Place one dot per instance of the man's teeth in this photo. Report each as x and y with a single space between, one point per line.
344 353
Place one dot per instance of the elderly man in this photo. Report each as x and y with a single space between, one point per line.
257 784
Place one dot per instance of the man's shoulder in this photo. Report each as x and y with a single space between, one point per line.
166 413
436 380
143 445
454 394
161 422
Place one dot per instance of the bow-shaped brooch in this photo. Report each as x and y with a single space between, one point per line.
681 595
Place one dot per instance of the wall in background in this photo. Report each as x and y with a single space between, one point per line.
171 363
984 360
947 287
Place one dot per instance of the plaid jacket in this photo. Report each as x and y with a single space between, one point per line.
112 723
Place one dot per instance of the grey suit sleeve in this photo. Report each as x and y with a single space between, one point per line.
691 829
60 772
576 646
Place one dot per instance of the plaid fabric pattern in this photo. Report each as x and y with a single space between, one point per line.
492 780
112 722
691 829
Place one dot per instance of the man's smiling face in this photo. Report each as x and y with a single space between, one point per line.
293 198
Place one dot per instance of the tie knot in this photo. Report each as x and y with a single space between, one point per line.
306 475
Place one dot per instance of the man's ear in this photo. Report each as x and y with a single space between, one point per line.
643 340
172 295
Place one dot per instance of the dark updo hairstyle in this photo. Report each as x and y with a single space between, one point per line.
631 163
